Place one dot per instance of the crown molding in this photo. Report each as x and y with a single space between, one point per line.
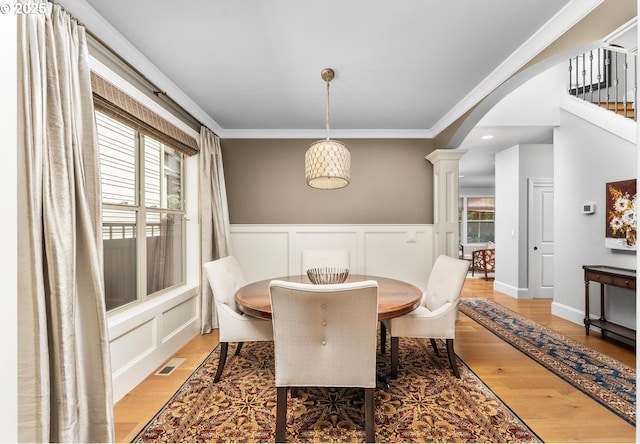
627 27
322 134
445 154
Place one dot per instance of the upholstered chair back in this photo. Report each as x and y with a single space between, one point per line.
325 258
325 335
445 282
225 277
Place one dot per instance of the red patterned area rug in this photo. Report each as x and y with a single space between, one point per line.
425 404
606 380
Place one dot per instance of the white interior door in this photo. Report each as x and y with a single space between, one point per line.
541 238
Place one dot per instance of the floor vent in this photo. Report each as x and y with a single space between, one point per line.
170 366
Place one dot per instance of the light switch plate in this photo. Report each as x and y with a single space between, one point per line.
411 237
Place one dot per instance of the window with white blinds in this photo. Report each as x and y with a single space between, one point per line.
117 161
143 213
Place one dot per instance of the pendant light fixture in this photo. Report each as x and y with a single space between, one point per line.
327 163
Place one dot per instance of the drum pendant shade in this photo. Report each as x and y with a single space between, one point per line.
327 163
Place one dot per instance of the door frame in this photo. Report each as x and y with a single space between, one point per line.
532 184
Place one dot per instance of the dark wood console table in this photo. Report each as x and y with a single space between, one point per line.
617 277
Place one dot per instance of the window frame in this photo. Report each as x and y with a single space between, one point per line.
141 211
463 220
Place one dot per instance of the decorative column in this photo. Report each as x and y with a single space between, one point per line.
445 200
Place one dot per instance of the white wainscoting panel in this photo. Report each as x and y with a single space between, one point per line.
143 337
175 318
262 254
397 251
326 238
395 255
124 351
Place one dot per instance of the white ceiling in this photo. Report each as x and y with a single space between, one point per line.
406 68
477 166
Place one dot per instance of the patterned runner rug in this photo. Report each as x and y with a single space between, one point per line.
426 403
606 380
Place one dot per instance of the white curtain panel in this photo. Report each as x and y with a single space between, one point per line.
64 387
214 218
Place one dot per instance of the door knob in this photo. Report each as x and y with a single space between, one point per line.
535 248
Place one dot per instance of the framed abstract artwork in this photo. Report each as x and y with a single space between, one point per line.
621 225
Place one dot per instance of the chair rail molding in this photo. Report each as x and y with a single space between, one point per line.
446 169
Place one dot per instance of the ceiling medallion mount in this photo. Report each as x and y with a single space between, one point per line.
327 163
327 74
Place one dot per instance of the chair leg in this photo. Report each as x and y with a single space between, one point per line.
224 346
369 414
394 357
434 346
238 348
383 337
281 414
452 358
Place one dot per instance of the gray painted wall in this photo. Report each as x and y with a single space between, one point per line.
391 183
514 167
507 218
586 158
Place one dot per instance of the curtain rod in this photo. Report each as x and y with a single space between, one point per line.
152 87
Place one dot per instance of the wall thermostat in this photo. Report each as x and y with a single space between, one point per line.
588 208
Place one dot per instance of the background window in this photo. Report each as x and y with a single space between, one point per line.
477 219
144 242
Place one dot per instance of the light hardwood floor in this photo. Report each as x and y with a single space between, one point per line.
555 410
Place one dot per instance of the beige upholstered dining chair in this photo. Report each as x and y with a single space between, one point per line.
325 258
324 336
225 278
436 315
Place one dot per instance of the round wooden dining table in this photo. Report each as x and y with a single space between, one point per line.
395 297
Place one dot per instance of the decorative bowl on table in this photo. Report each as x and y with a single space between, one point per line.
327 275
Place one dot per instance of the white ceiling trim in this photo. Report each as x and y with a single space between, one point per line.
571 14
322 134
618 33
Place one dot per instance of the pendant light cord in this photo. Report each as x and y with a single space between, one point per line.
327 120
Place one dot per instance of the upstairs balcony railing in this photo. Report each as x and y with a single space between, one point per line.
606 77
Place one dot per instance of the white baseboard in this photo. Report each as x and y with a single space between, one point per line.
510 290
570 314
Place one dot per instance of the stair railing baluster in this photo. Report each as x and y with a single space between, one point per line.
635 87
607 64
584 77
570 69
600 55
577 79
624 83
616 82
590 76
610 63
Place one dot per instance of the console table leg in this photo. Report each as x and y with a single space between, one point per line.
586 307
602 316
